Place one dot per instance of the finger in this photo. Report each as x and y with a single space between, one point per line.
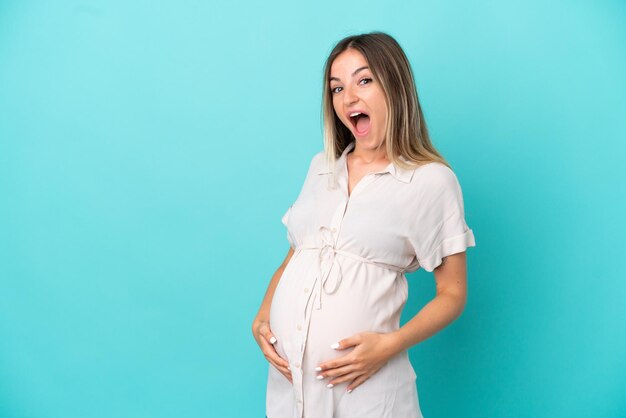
338 371
346 342
284 371
272 355
278 362
269 349
281 369
336 363
270 337
357 382
350 377
266 332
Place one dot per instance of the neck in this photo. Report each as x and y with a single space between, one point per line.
369 154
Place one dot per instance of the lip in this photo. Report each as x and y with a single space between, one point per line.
348 113
354 131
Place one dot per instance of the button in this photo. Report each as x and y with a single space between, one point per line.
297 364
299 327
306 290
334 229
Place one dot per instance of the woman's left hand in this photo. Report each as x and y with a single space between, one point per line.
371 352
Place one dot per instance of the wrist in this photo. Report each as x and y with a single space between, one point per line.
258 320
396 342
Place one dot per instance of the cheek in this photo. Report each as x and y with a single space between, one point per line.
344 122
335 106
382 112
376 99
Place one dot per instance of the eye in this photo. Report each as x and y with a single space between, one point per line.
334 89
369 80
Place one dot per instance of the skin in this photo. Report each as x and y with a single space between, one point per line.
261 327
353 87
370 351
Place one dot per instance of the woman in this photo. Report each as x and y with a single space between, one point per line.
379 202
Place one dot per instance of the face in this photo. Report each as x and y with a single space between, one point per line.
358 98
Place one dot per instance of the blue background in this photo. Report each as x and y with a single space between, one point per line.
149 149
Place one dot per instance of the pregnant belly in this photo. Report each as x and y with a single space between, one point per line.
287 311
368 298
343 315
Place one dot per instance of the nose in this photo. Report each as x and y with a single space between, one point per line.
350 95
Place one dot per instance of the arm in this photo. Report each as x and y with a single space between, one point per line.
443 309
260 326
372 350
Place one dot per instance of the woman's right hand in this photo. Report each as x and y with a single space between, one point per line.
266 340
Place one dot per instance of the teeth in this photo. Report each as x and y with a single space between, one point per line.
354 114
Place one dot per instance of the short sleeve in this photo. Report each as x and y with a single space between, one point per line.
286 218
439 227
285 221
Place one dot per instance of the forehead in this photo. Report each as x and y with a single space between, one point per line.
346 62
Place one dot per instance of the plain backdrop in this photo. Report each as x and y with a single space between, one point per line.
148 150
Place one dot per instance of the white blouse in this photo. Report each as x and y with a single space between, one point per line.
347 275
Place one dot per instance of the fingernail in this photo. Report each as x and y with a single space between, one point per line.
319 377
318 369
272 340
334 345
288 368
330 385
349 390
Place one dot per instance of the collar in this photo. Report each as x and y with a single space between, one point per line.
401 174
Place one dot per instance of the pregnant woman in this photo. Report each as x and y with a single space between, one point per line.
377 203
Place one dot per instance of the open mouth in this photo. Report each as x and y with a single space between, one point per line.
360 121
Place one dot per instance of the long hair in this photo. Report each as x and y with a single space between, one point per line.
407 141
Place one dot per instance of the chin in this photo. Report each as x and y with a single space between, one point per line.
368 142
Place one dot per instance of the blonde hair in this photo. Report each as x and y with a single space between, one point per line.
406 134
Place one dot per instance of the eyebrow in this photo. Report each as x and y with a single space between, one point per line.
353 74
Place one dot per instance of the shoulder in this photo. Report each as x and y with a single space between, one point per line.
318 157
317 162
434 176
